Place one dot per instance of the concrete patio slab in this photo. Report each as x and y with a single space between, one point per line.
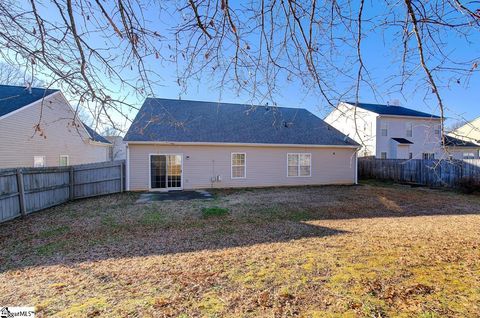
174 196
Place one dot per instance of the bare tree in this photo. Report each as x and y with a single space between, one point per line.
106 52
10 75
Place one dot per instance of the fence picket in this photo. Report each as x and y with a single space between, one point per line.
26 190
433 173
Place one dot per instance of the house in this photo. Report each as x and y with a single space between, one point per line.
390 131
470 131
118 151
465 140
179 144
38 128
457 148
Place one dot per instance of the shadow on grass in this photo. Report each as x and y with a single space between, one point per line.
119 228
115 227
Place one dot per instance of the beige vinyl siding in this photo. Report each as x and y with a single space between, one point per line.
20 143
359 124
423 137
458 152
265 166
470 131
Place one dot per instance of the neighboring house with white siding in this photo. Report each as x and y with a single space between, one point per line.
178 144
395 132
38 127
118 150
466 140
461 149
470 131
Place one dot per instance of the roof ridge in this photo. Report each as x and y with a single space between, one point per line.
226 103
26 87
371 107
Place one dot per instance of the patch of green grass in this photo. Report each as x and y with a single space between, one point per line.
298 216
109 221
214 211
50 248
54 231
153 218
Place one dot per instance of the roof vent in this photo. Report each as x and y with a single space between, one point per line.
395 102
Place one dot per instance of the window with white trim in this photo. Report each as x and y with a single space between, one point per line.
299 165
428 156
468 155
384 129
63 161
39 161
437 130
409 130
383 155
239 165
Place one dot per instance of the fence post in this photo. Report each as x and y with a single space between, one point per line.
21 192
122 187
71 176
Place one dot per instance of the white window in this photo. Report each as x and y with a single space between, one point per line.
239 165
299 164
410 155
468 155
437 130
39 161
63 161
428 156
383 155
409 129
384 129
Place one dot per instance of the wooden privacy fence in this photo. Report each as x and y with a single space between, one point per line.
433 173
26 190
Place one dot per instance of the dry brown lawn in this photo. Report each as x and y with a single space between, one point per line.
374 250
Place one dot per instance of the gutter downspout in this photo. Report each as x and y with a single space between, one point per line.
356 166
127 181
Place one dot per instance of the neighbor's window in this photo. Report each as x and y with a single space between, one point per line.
384 129
428 156
437 130
39 161
383 155
63 161
410 155
299 164
468 155
409 129
239 165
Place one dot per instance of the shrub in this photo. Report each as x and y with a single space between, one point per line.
214 211
469 184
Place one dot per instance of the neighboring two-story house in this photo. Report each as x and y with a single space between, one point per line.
389 131
39 128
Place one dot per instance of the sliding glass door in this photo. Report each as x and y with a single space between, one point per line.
166 172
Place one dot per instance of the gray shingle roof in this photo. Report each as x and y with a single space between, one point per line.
16 97
195 121
392 110
95 136
455 142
